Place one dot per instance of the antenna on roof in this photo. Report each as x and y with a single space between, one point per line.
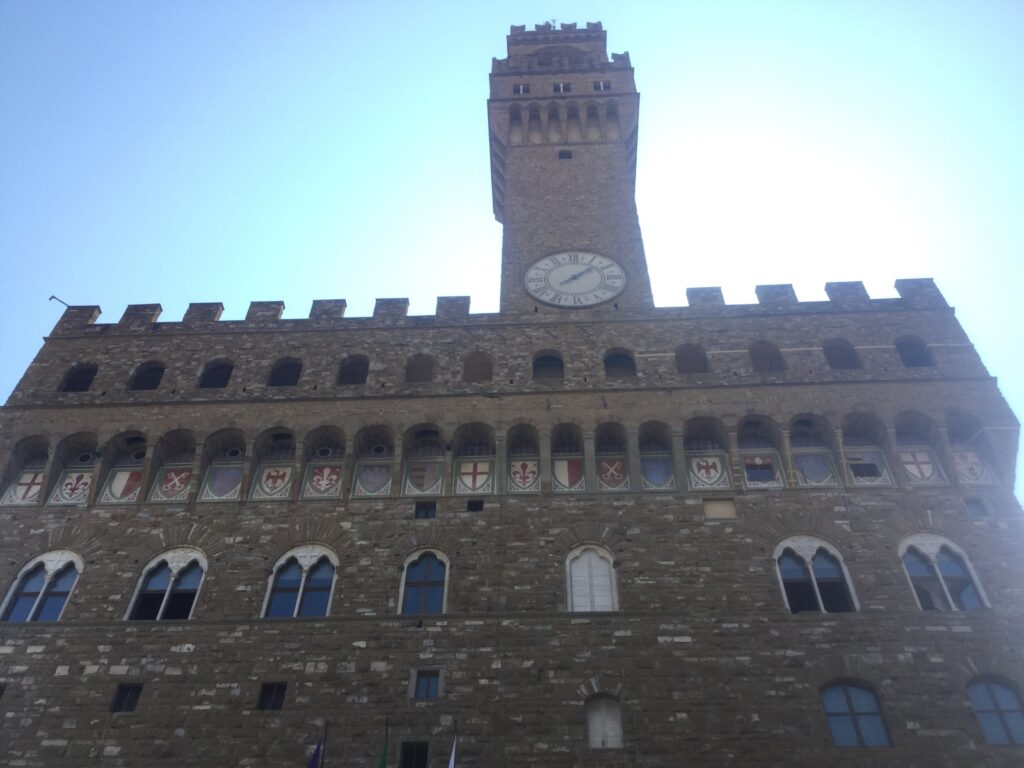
60 300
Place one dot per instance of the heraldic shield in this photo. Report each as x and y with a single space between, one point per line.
273 481
122 486
24 490
423 478
223 483
971 468
172 484
372 479
567 475
72 488
814 469
323 481
657 473
523 476
708 471
612 474
920 467
474 477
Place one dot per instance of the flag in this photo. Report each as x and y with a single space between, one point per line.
384 753
314 761
451 760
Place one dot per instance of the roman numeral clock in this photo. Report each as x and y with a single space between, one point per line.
575 279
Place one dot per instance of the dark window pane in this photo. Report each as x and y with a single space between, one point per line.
19 608
413 755
50 607
272 696
216 376
321 576
843 732
926 582
147 606
427 684
158 579
1015 725
796 580
981 696
126 698
282 604
1005 698
314 602
872 729
435 600
412 599
958 582
993 728
190 577
179 605
832 586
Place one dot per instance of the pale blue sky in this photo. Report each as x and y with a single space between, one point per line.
232 151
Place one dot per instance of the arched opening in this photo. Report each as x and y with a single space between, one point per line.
216 374
474 460
375 456
765 357
604 722
424 461
707 461
811 440
548 366
275 462
123 464
913 352
656 465
691 358
523 446
73 470
325 457
611 457
173 458
758 442
916 447
223 464
353 370
567 473
419 369
285 373
477 368
863 441
78 378
619 364
146 377
23 476
840 355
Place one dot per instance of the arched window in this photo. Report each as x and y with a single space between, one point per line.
940 575
216 375
285 373
840 355
619 364
854 716
914 353
765 357
477 368
548 366
169 585
302 583
998 710
423 588
23 477
78 379
354 370
591 580
813 576
604 722
42 588
691 358
147 376
419 369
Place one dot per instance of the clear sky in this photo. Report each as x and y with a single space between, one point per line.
234 151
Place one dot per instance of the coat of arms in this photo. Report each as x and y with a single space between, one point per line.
523 476
172 484
223 483
322 481
473 477
708 471
122 487
568 474
272 482
73 487
612 474
24 490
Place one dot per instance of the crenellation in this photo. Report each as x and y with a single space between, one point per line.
202 313
848 295
138 317
702 298
781 295
921 293
261 312
390 309
75 318
326 310
452 307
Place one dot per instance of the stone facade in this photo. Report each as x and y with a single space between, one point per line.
701 654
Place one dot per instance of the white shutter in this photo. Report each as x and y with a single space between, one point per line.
604 723
592 582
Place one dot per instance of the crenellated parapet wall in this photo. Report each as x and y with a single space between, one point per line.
914 294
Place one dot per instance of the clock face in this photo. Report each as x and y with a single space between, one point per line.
575 279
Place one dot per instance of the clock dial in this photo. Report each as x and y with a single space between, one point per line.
575 279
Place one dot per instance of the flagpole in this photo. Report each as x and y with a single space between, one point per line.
323 752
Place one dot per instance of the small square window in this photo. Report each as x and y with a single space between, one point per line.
272 696
126 698
425 510
428 684
520 89
565 154
976 508
602 85
475 505
561 87
413 755
865 469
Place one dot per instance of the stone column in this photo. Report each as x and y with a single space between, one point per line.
589 461
636 477
844 468
734 460
787 460
396 469
945 453
679 460
899 477
545 461
500 461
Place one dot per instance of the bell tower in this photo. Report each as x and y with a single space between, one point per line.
563 135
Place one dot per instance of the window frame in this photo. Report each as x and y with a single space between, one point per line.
177 560
998 710
54 562
592 702
806 548
414 678
603 553
412 558
853 714
307 556
930 545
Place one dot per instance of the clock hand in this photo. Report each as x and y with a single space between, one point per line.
577 276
